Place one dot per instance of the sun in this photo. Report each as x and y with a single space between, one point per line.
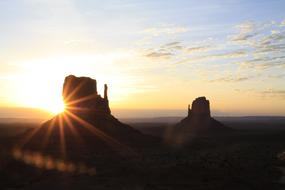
42 92
53 106
48 100
57 108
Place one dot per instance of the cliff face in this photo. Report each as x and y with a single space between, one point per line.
81 96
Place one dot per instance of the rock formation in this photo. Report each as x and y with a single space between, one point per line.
199 121
81 96
200 108
87 124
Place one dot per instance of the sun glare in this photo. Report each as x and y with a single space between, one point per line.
55 108
47 97
40 83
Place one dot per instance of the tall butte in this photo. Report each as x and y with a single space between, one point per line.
81 96
199 120
86 126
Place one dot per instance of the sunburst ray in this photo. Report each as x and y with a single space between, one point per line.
78 100
73 130
62 137
29 136
49 132
75 90
100 134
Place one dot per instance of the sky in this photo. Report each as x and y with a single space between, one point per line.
154 55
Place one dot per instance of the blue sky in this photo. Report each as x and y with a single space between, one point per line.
209 17
231 51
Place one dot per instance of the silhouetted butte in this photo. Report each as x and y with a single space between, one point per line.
198 122
86 126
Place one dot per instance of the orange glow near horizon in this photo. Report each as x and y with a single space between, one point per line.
38 84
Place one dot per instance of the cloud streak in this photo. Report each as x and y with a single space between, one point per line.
212 57
159 55
246 31
230 79
198 49
274 93
165 30
254 51
282 23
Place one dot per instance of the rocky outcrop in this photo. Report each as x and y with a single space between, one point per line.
81 96
198 122
200 107
86 126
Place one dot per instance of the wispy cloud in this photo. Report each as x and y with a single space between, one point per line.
263 62
172 44
159 55
277 76
282 23
246 30
165 51
198 49
265 43
271 42
212 57
254 50
230 79
274 93
165 30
